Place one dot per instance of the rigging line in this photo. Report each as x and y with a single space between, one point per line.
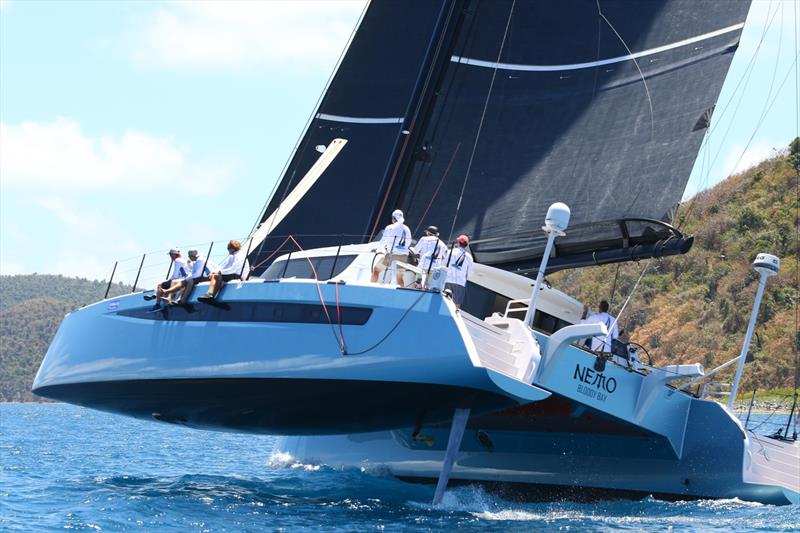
339 341
633 291
635 62
415 116
405 314
745 77
761 120
441 181
483 116
775 68
767 24
278 249
297 146
614 286
796 12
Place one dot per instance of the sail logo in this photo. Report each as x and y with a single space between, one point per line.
594 384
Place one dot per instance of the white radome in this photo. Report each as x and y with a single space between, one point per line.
767 264
557 217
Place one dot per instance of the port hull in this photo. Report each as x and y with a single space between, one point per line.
266 358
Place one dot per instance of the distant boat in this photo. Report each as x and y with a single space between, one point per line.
477 117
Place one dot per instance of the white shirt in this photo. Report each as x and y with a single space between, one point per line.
459 267
233 265
430 247
200 269
180 268
599 343
399 235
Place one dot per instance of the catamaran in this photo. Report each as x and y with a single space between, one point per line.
484 117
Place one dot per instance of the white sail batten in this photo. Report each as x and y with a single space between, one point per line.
361 120
601 62
292 199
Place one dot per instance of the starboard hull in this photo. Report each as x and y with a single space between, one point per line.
556 449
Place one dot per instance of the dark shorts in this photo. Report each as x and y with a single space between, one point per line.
230 277
199 280
166 284
459 291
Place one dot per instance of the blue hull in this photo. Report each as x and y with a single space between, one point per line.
265 359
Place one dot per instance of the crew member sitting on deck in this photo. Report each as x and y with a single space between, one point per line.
459 264
200 271
180 269
600 343
431 252
235 266
395 242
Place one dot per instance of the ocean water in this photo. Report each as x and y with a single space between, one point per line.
65 468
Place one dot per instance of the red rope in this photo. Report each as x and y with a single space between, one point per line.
339 320
273 253
339 341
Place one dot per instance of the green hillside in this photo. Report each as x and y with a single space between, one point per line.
31 308
695 307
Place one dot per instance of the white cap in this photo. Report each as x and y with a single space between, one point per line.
397 215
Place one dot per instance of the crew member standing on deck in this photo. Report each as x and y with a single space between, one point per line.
395 242
432 253
459 265
600 343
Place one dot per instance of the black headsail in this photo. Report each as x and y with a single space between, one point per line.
518 104
371 101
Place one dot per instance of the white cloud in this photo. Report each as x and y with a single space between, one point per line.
756 153
239 34
59 155
89 242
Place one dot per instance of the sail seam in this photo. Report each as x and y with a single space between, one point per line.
609 61
361 120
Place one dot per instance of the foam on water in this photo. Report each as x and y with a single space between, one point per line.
63 467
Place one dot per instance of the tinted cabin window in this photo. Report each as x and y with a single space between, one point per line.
300 267
482 302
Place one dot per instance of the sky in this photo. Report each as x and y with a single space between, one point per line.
131 127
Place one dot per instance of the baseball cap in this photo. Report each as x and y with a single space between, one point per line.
463 240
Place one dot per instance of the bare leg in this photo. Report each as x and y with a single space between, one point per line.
187 291
375 275
159 293
212 285
174 287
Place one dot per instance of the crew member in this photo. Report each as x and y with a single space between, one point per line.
180 269
200 271
432 252
459 264
601 343
235 266
395 242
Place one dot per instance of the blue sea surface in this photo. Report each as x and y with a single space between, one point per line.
68 468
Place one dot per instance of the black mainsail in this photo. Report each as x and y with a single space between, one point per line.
476 115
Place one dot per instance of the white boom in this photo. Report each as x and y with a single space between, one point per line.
292 199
